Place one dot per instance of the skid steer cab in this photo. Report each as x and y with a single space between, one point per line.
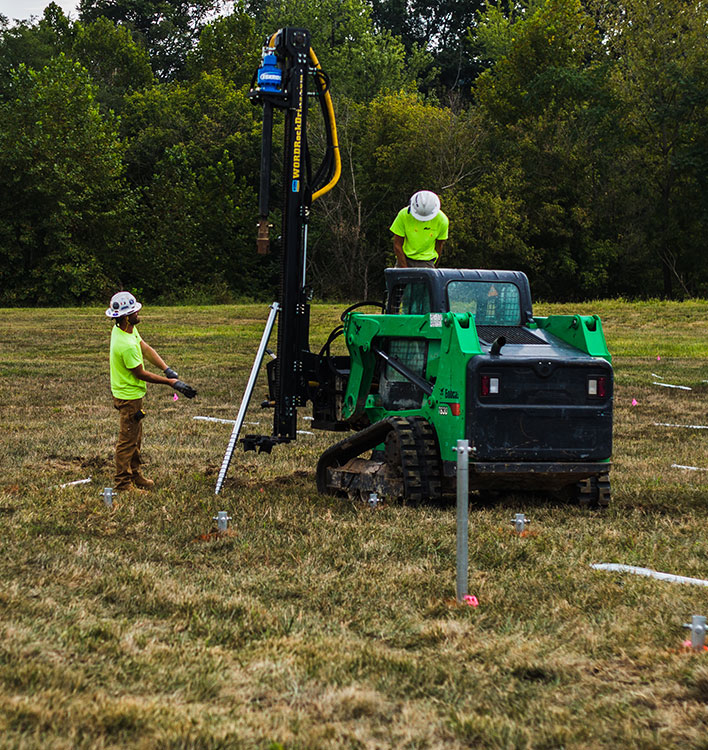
458 354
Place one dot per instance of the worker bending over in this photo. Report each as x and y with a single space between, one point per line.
419 232
128 386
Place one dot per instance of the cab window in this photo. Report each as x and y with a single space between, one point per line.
397 392
493 303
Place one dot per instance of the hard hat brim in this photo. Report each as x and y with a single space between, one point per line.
424 217
111 313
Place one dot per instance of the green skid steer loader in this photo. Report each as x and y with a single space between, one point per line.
455 354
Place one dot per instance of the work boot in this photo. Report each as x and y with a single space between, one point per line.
134 491
143 482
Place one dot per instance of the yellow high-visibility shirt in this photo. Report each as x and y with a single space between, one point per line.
126 354
419 237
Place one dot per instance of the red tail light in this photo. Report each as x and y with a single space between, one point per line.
484 390
455 409
602 387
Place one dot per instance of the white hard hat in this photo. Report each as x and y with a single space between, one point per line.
122 303
424 205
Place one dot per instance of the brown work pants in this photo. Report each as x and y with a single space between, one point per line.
130 436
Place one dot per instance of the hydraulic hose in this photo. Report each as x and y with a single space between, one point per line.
333 134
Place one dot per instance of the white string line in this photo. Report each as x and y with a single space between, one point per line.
617 568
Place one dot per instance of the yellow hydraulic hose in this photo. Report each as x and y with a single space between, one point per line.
335 142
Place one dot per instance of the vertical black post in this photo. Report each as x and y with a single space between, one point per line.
293 322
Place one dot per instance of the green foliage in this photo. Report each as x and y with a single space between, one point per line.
192 156
391 147
62 218
661 78
600 106
229 44
34 45
542 59
360 60
117 65
582 158
490 225
493 36
440 28
166 28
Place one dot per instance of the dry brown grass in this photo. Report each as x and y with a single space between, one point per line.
318 623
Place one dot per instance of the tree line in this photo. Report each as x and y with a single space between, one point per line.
566 138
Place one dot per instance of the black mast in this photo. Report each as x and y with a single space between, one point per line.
282 84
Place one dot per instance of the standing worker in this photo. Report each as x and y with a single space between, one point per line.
419 232
128 386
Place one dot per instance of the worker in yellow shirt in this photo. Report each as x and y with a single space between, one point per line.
419 231
128 386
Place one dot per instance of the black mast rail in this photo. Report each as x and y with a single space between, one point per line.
287 67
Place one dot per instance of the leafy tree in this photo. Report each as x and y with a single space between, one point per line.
61 221
360 60
660 74
34 44
544 60
391 147
228 44
552 122
192 155
490 226
116 63
168 29
439 27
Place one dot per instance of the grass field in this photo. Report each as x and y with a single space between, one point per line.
319 623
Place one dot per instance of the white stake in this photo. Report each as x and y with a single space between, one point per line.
617 568
71 484
668 385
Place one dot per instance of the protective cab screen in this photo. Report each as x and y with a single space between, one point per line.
410 299
493 303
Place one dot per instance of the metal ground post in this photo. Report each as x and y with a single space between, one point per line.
463 462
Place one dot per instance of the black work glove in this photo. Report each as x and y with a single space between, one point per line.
170 373
184 389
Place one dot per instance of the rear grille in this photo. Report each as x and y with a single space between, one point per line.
512 334
541 411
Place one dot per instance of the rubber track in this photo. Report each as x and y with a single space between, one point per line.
420 458
420 455
603 490
594 491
